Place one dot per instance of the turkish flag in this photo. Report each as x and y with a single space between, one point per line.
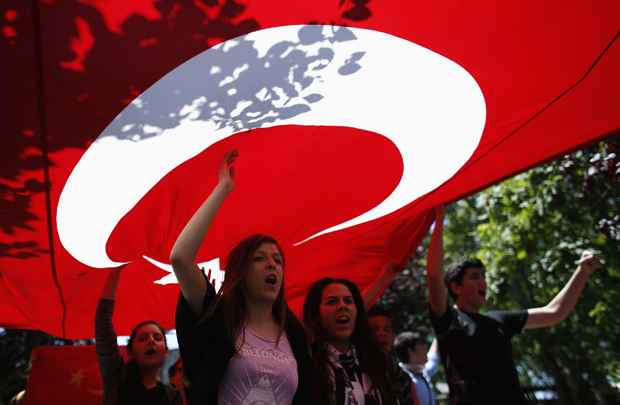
352 120
64 375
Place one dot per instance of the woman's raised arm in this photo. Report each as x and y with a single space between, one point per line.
183 256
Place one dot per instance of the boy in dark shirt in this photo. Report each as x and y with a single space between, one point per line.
476 349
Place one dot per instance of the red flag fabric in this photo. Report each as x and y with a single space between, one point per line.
64 375
352 120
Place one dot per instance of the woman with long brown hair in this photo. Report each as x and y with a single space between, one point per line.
241 345
350 367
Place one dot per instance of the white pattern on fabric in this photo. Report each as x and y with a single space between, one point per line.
357 387
262 373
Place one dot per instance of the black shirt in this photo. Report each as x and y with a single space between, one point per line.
139 394
476 352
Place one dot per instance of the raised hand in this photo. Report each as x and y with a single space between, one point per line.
210 279
589 261
437 291
226 172
564 302
111 283
183 255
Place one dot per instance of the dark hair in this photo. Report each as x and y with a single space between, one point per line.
456 273
378 311
134 333
134 373
231 297
372 360
403 343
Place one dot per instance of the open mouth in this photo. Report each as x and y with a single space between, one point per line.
150 352
271 279
343 319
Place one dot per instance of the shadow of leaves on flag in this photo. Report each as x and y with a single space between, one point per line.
235 87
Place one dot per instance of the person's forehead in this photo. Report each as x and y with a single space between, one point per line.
380 320
147 329
474 272
268 248
336 290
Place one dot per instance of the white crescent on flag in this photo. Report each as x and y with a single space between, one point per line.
290 75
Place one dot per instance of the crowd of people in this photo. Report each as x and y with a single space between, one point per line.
242 345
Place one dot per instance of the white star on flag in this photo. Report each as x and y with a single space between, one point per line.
217 273
77 378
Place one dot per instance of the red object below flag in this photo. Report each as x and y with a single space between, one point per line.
349 131
64 375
